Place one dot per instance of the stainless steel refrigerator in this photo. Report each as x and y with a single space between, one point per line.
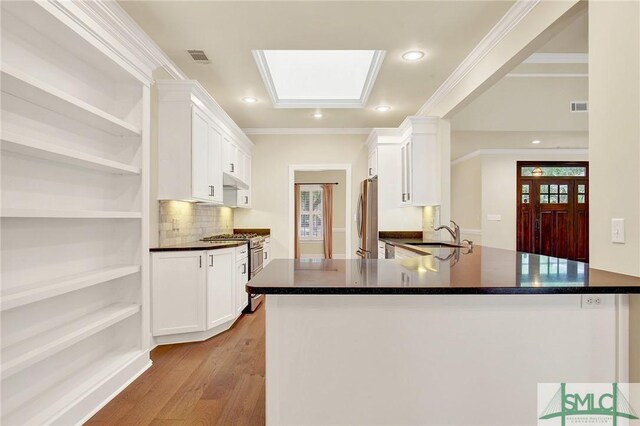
367 219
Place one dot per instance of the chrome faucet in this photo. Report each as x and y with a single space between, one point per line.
455 232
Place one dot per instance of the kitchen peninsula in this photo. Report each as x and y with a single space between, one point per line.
456 336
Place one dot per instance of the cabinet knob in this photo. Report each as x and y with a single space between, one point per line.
211 260
232 167
246 199
370 171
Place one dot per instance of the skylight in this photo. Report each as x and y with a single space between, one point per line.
319 78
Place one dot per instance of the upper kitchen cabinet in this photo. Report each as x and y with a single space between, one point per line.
201 151
420 162
415 175
372 162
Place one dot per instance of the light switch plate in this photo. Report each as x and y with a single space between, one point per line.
494 217
617 230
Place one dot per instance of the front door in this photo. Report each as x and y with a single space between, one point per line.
553 212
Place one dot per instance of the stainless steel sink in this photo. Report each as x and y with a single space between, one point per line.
436 245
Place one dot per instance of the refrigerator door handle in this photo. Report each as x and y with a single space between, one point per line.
359 216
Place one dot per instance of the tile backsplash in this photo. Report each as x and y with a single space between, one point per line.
184 222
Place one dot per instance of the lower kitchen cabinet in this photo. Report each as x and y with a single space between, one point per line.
220 292
196 294
242 277
179 289
267 251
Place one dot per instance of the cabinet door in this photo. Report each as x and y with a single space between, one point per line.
230 164
403 173
244 198
267 251
220 283
215 165
178 290
409 170
242 277
372 164
200 156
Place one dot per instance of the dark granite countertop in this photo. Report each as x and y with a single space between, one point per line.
263 232
445 270
200 245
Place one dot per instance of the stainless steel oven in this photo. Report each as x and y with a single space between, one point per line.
257 259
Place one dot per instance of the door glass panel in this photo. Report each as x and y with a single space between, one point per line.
525 189
544 199
564 189
555 171
553 199
553 189
581 189
544 188
581 198
525 198
564 199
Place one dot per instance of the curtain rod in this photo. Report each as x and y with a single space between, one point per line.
316 183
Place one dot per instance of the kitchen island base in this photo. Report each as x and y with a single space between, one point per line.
434 359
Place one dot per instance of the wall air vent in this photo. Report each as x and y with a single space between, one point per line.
579 106
198 56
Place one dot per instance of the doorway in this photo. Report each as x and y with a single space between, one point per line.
309 176
553 209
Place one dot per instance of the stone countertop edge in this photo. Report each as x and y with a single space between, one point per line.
444 291
199 245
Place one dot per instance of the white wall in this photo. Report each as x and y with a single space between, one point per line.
614 132
466 196
496 177
272 155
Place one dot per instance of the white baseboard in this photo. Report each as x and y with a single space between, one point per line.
90 403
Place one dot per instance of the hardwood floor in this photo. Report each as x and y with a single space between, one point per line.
216 382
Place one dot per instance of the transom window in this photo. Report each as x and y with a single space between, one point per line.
310 221
554 171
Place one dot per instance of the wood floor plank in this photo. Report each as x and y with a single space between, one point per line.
216 382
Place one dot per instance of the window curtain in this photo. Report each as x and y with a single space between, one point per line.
296 220
327 217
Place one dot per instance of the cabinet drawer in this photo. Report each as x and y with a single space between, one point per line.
242 252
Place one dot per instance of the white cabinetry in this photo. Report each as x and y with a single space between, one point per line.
220 291
244 195
267 251
372 163
242 277
179 292
196 293
381 249
189 147
74 221
420 173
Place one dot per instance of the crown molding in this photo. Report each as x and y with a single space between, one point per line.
372 74
504 26
557 58
132 34
307 131
548 75
192 90
515 151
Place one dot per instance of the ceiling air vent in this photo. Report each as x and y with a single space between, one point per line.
579 106
198 56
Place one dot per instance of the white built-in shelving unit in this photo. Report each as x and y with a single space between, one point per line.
74 300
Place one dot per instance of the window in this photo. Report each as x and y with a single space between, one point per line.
310 221
555 171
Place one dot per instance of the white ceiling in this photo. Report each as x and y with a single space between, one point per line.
535 97
228 32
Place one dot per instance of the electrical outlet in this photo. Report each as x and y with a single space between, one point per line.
591 301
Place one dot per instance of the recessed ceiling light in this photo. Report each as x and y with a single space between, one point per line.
536 142
249 100
318 115
383 108
413 55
